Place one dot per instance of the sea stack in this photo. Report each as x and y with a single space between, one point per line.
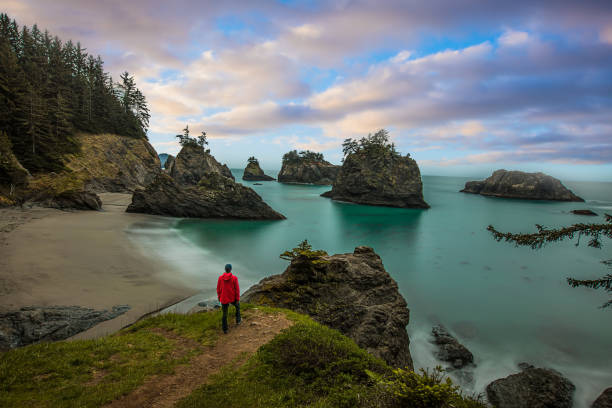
307 167
374 173
352 293
252 172
198 186
518 184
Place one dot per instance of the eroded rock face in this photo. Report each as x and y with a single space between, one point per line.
215 196
114 164
532 388
604 400
352 293
74 200
321 173
192 163
33 324
367 180
449 348
253 172
517 184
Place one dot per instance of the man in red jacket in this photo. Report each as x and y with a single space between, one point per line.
228 292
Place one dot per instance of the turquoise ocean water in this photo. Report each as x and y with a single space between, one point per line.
506 304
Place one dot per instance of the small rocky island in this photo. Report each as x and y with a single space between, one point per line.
352 293
518 184
374 173
307 167
198 186
252 172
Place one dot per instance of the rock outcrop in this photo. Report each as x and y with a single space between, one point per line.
215 196
308 172
33 324
517 184
367 180
604 400
531 388
192 163
349 292
73 200
169 162
166 160
584 212
252 172
449 348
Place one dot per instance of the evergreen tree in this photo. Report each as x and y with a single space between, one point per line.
545 236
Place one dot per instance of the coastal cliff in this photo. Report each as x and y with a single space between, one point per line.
373 173
517 184
307 168
252 172
352 293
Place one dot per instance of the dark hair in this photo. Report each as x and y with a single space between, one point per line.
228 267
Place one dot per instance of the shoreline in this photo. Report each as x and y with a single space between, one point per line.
51 257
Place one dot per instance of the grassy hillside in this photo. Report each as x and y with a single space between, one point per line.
306 365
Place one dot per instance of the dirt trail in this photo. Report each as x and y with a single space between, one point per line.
256 330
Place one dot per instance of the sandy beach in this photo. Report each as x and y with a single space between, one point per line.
85 258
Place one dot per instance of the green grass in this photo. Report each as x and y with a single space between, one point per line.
62 374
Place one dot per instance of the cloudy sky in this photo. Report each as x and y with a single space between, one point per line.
464 86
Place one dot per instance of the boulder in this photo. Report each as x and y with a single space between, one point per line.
215 196
253 172
531 388
307 172
363 179
74 200
352 293
584 212
517 184
192 163
604 400
449 348
50 323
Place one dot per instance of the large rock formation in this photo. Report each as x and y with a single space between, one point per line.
169 163
215 196
349 292
33 324
604 400
192 163
532 388
393 182
307 171
449 348
252 172
517 184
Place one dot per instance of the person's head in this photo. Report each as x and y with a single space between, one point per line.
228 268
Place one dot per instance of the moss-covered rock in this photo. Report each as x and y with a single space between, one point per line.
192 163
306 171
393 181
352 293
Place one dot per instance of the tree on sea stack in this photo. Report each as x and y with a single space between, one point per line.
304 252
186 140
253 160
544 236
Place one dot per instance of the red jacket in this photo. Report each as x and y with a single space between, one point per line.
228 290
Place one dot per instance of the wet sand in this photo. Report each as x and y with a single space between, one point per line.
85 258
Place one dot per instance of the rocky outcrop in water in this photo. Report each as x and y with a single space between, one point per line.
604 400
584 212
366 179
310 168
531 388
517 184
192 163
215 196
449 348
33 324
352 293
252 172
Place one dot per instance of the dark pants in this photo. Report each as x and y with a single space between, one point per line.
224 307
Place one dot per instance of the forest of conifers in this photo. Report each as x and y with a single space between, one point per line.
50 90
